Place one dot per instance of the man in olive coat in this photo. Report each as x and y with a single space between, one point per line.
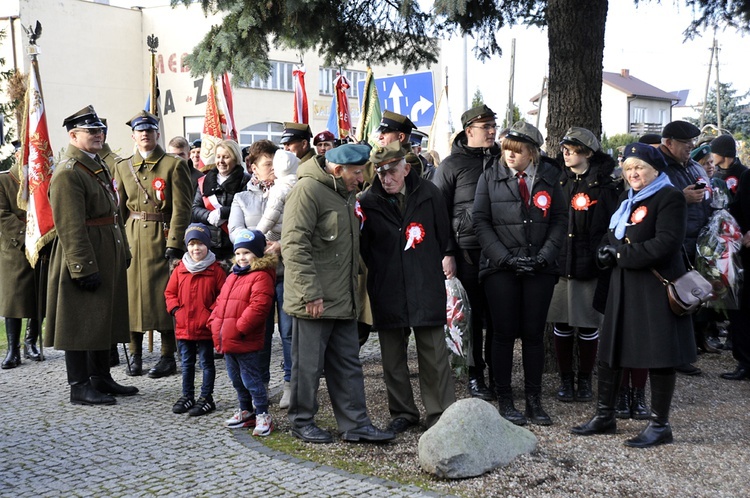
87 307
156 200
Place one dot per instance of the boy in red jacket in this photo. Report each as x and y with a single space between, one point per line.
190 294
238 325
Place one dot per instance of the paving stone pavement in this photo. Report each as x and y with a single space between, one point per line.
49 447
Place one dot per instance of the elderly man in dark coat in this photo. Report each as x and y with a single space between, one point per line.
87 305
405 234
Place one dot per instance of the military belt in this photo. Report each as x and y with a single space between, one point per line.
142 215
98 222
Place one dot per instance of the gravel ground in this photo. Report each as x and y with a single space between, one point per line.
709 456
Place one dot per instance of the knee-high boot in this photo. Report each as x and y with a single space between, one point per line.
658 431
13 333
30 351
604 422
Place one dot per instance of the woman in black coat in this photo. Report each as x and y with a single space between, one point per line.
519 219
640 330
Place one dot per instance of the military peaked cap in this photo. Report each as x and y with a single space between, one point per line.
395 122
295 131
144 120
85 118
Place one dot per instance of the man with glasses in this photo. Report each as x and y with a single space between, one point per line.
473 150
677 141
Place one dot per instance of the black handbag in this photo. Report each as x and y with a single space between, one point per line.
687 293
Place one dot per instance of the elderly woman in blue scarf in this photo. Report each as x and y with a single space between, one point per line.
639 329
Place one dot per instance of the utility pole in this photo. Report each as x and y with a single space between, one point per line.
708 83
509 116
718 92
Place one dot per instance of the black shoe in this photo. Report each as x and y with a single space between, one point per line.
584 392
638 409
109 386
509 412
12 359
165 367
30 352
653 435
478 389
311 433
114 356
183 404
715 343
85 394
136 366
566 393
368 434
202 406
688 369
399 425
740 373
534 411
622 408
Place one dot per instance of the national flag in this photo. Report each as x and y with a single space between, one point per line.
341 85
219 122
37 164
333 118
441 130
156 111
300 95
225 103
370 114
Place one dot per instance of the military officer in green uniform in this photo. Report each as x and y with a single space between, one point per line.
155 200
87 307
397 127
296 139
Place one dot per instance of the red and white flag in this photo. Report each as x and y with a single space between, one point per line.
341 85
219 122
300 95
37 164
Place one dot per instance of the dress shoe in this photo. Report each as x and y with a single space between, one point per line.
107 385
136 366
165 367
509 412
688 369
399 425
653 435
478 389
739 373
369 434
311 433
534 411
85 394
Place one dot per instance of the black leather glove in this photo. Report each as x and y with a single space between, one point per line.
174 311
539 263
127 263
524 266
606 257
173 253
89 282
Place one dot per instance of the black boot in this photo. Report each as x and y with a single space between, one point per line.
508 410
566 392
658 431
101 379
81 391
30 351
114 356
136 366
13 333
165 367
478 389
638 408
584 392
700 339
604 421
534 411
622 408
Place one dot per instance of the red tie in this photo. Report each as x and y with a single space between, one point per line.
522 188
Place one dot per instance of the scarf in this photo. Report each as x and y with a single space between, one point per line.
264 185
240 270
619 220
198 266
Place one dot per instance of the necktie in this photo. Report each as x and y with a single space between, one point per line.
523 189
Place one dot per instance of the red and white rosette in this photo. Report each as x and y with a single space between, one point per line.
638 215
359 214
159 184
732 183
581 202
542 200
414 235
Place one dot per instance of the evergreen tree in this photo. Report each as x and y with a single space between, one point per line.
735 116
478 99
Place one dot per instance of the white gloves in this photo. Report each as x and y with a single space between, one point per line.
214 217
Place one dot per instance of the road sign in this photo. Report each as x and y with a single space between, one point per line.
409 94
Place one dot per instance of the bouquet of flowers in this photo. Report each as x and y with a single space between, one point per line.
718 259
458 325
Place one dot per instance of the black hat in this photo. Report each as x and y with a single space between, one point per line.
724 145
526 133
417 137
681 130
196 144
646 153
581 136
650 139
85 118
245 153
144 120
476 113
295 131
396 122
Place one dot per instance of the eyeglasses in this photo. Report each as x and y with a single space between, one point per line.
689 143
92 131
486 127
568 152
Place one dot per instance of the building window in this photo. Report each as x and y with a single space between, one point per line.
269 130
327 75
280 78
639 114
193 127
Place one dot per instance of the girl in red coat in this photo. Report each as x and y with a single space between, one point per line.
238 325
190 294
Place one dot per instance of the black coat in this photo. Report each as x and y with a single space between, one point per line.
457 178
406 286
639 329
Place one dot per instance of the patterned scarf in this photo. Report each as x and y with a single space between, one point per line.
264 185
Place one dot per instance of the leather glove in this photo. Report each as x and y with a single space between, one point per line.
524 266
173 253
606 257
90 282
539 263
174 311
214 217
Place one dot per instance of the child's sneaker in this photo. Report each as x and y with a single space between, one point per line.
202 406
240 419
183 404
263 425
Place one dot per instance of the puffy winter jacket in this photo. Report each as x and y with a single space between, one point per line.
194 296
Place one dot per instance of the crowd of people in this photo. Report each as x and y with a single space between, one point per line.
329 241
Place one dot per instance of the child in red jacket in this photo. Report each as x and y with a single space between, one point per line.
238 324
191 293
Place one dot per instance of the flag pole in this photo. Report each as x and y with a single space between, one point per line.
153 43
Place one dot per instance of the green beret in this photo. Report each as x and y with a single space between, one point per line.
349 154
700 152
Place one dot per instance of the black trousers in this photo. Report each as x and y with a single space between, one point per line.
81 365
519 310
467 271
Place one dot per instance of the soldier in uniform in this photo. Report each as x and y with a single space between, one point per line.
87 307
296 139
155 199
397 127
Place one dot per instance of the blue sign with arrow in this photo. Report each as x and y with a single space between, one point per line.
409 94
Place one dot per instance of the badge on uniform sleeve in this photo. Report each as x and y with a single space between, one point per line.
581 202
414 235
159 185
359 214
542 200
638 215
